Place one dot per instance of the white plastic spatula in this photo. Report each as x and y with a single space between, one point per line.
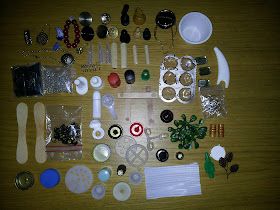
40 147
22 152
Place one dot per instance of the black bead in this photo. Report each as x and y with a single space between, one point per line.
125 17
102 31
129 76
125 37
146 34
162 155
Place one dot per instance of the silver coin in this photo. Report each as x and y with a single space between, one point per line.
85 18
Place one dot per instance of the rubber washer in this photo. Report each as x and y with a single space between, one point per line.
162 155
115 131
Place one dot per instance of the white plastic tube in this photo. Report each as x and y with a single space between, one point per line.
135 57
147 54
114 55
96 111
123 55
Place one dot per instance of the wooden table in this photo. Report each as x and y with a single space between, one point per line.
246 32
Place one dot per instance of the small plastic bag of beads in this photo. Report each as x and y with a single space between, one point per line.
27 80
63 132
213 101
57 79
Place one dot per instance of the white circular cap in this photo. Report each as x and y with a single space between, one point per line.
98 191
217 152
135 178
96 82
108 100
101 152
81 85
78 179
122 191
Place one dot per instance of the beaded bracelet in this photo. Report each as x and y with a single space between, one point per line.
76 31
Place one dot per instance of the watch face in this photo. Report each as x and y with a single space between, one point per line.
165 19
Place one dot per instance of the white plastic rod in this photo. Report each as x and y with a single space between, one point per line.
114 55
96 112
135 57
147 54
223 68
123 55
22 152
40 147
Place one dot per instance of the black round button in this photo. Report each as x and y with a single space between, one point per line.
166 116
162 155
165 19
115 131
87 33
180 155
102 31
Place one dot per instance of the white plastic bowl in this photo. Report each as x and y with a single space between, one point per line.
195 28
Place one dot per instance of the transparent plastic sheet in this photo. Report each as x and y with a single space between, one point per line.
63 132
57 79
172 181
213 101
27 80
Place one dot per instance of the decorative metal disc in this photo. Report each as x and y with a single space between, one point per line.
42 38
85 18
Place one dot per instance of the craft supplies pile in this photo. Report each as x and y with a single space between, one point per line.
59 128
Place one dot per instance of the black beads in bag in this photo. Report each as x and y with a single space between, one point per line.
27 80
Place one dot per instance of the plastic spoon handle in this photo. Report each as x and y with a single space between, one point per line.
40 147
113 112
22 152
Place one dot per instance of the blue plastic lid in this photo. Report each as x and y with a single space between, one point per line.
104 174
49 178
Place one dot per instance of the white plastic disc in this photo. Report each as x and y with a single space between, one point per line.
101 152
78 179
98 191
122 145
217 152
122 191
137 155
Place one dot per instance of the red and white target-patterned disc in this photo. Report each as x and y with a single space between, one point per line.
136 129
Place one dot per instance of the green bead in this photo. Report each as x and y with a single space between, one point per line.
145 75
209 166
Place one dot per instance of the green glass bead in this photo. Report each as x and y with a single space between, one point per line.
145 75
209 166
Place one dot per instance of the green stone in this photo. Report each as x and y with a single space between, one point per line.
145 75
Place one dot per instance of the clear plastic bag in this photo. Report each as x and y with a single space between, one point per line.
27 80
63 132
57 79
213 101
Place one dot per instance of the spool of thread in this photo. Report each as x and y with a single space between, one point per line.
221 130
212 130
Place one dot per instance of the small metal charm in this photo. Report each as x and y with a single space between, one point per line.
203 83
79 50
105 18
27 37
42 38
67 59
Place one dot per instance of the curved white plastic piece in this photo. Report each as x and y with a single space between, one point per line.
96 82
108 102
96 109
123 55
223 68
81 85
